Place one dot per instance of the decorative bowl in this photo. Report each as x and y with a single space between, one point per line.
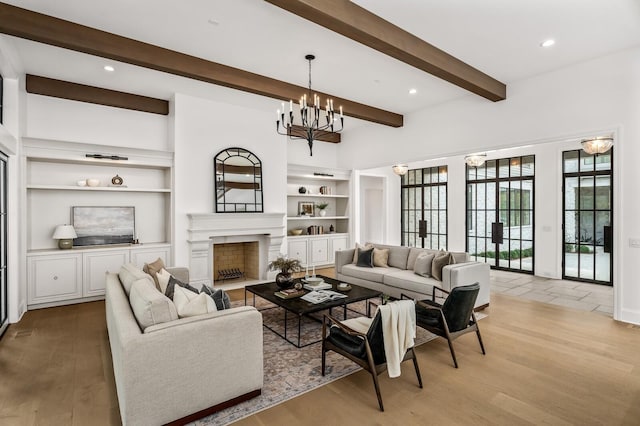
314 280
296 231
93 182
82 182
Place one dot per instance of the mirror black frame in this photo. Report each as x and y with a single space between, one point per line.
223 183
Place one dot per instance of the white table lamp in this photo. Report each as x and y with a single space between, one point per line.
65 235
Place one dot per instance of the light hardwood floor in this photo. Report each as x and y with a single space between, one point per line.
545 364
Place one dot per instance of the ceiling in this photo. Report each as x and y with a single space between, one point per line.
499 37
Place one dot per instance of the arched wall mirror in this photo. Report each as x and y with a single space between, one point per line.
238 181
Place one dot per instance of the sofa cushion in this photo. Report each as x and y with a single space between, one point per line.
422 265
408 280
440 261
365 258
397 255
374 274
153 268
414 252
381 257
219 296
190 304
149 306
173 282
357 250
460 257
163 280
128 274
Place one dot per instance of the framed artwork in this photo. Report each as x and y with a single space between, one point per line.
306 208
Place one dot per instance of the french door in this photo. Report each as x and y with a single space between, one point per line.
500 213
588 217
4 307
424 208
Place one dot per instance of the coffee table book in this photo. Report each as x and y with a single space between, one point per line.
289 293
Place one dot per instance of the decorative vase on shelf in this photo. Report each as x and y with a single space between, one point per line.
302 190
284 280
322 213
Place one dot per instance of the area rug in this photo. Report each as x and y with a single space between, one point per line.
289 371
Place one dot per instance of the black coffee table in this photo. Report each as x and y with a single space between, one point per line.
301 308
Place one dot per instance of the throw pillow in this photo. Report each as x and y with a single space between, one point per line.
442 259
365 258
422 265
163 279
173 282
149 306
381 257
190 304
357 250
153 268
129 273
219 296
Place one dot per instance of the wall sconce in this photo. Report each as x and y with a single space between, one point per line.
595 146
475 160
400 169
65 235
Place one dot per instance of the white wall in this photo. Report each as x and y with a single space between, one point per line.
590 98
202 129
62 119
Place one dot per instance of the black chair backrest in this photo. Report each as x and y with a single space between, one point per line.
376 340
459 305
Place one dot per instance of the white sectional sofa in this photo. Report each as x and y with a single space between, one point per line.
399 277
182 369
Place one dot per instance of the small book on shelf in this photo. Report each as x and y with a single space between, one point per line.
289 293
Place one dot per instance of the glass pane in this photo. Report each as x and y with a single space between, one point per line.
443 174
491 169
442 222
491 195
571 264
443 242
603 161
419 177
481 223
481 172
571 193
602 219
405 198
503 250
503 166
427 176
418 198
434 242
427 198
603 265
434 221
586 193
515 195
471 173
571 220
514 254
434 174
411 226
586 262
412 177
491 218
470 196
586 162
515 166
442 197
571 161
603 192
586 228
528 168
481 188
412 198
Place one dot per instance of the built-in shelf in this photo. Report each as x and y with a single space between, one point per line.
310 177
97 188
317 217
317 196
330 234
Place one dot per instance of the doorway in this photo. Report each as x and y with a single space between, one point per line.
500 213
587 247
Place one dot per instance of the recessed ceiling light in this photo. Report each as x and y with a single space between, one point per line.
413 91
213 22
109 68
548 43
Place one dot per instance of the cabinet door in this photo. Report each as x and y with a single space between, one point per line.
337 244
96 265
53 278
319 251
298 250
140 256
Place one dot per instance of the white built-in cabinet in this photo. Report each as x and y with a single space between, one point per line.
321 185
52 170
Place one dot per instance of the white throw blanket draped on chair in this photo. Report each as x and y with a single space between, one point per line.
399 331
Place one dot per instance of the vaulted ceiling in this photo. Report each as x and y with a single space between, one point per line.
498 37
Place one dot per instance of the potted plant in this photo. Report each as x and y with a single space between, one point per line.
286 267
322 207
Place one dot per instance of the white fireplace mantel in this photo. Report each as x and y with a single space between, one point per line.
207 229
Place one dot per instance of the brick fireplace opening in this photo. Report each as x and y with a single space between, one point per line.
233 262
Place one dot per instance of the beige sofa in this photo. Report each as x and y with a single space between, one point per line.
185 368
400 278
